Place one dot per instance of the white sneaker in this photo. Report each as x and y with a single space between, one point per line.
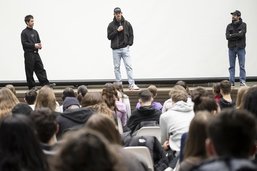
134 87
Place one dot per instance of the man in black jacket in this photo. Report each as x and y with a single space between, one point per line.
235 34
31 44
120 32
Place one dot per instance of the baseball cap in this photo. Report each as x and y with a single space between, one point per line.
117 10
236 12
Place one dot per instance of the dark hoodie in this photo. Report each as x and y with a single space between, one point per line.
123 38
73 118
235 34
144 113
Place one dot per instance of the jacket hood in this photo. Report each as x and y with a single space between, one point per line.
78 115
147 110
182 106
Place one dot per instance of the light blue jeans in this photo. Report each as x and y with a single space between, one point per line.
240 53
123 53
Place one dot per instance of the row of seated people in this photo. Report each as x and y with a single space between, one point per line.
181 109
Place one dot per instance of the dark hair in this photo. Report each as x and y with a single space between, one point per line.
22 108
30 96
68 92
106 126
225 86
250 101
198 93
81 92
28 18
216 88
195 143
205 103
183 84
86 150
153 90
45 124
145 95
91 98
233 133
19 146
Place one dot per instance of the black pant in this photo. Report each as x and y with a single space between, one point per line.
33 63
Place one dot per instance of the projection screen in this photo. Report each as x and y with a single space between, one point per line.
173 39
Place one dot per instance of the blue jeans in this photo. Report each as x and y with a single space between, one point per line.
123 53
233 53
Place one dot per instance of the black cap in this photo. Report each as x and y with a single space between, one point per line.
117 10
236 12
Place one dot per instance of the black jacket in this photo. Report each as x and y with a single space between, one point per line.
29 37
225 104
73 118
141 115
123 38
235 34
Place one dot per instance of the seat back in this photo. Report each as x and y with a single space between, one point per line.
150 131
143 154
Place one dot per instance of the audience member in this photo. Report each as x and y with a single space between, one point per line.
110 97
195 152
250 100
46 127
70 103
225 90
19 147
86 150
12 88
155 105
7 101
30 98
145 115
46 98
123 97
22 109
216 92
183 84
240 96
81 92
231 142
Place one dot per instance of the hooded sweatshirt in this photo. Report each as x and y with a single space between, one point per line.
175 122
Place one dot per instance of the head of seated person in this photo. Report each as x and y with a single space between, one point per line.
145 98
70 103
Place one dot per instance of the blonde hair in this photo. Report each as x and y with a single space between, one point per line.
240 96
7 101
179 95
46 98
175 88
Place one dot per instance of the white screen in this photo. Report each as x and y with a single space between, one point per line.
172 38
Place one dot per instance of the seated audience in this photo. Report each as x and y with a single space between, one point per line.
19 146
46 127
216 92
46 98
81 92
231 142
67 92
7 101
30 98
22 109
145 115
250 101
240 96
155 105
225 90
123 97
70 103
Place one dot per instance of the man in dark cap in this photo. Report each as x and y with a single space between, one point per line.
120 32
235 34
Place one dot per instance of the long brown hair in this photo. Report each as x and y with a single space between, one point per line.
7 101
110 95
46 98
195 143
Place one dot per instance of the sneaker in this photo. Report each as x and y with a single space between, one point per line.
243 84
134 87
